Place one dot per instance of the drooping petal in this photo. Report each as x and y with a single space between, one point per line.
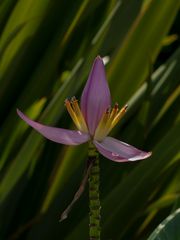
118 151
96 96
59 135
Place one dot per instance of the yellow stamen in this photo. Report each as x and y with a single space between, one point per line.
108 121
76 115
71 113
114 111
118 116
99 133
111 117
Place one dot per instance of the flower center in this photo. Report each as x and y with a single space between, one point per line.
109 119
76 114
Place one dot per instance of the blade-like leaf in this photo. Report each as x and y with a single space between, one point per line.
129 67
168 229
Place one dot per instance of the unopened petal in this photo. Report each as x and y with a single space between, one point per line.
96 97
119 151
59 135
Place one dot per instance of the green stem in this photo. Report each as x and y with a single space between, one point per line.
94 202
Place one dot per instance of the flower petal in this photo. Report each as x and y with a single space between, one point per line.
59 135
96 96
118 151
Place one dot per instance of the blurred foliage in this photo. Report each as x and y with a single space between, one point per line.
46 51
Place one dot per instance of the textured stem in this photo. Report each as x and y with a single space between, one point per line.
94 202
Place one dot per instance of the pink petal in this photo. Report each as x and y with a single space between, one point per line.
96 96
59 135
118 151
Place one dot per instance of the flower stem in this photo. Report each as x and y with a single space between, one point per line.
94 202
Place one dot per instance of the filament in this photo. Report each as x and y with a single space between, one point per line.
76 114
109 119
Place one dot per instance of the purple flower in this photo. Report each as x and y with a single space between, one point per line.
94 120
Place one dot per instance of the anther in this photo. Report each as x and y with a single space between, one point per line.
123 110
66 101
114 112
116 105
108 110
125 107
73 99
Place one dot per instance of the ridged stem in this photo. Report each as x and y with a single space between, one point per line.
94 202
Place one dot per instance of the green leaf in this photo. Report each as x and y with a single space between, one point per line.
46 51
168 229
129 67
